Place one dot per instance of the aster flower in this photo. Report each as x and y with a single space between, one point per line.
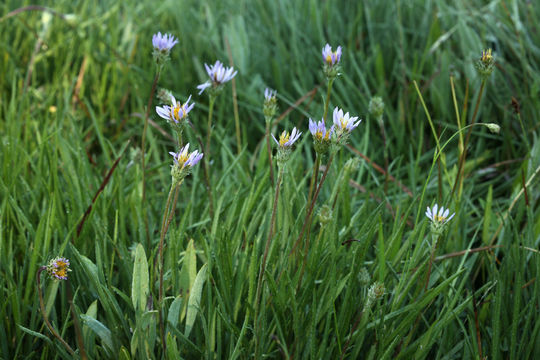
163 43
176 112
269 94
183 162
285 143
58 268
331 61
330 57
162 47
321 136
184 159
344 122
439 218
218 76
270 104
439 215
286 140
485 64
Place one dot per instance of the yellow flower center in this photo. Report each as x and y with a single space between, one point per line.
439 218
486 55
176 112
284 138
61 269
329 59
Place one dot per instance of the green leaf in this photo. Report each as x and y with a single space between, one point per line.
195 299
188 274
101 331
139 284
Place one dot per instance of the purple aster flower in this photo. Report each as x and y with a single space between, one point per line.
163 43
183 159
286 140
439 216
218 74
58 268
344 122
269 94
331 57
177 111
318 130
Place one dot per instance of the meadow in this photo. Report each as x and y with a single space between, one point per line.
308 247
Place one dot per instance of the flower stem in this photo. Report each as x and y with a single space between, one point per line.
327 102
263 264
44 313
206 159
461 164
269 150
143 143
167 214
312 205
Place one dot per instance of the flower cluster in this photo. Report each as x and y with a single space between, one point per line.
376 108
439 217
485 64
58 268
162 46
321 136
270 104
176 112
219 75
183 162
286 140
331 61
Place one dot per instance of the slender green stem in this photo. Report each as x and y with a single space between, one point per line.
163 231
313 180
206 159
76 323
463 157
312 205
143 144
327 102
431 258
269 150
44 313
524 133
263 264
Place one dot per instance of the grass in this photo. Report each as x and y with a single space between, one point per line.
76 79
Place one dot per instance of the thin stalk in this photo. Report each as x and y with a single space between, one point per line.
76 324
463 157
44 313
524 133
143 144
312 205
385 152
168 210
205 170
327 102
263 264
430 264
313 180
460 144
269 150
206 158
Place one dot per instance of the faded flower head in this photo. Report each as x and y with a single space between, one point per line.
162 46
485 64
325 215
494 128
58 268
183 162
330 57
270 104
375 292
321 136
439 217
176 112
331 61
219 75
286 140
